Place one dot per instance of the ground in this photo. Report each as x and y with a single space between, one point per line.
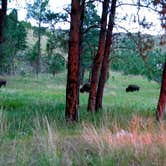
33 130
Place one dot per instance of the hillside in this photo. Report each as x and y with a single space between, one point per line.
32 39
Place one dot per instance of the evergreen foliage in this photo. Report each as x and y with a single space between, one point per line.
14 41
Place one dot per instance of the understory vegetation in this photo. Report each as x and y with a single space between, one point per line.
33 130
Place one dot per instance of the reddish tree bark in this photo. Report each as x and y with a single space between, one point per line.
2 17
72 89
104 68
162 99
98 58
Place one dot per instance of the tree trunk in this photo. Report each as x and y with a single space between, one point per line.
38 49
104 68
98 58
82 9
2 18
82 73
162 99
12 64
72 89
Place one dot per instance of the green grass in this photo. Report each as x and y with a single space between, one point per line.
33 130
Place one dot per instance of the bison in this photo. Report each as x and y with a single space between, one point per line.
132 88
2 82
85 88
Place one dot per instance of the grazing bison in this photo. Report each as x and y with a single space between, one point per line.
132 88
2 82
85 88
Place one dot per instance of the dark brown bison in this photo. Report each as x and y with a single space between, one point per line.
2 82
132 88
85 88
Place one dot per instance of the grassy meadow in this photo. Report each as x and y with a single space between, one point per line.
33 130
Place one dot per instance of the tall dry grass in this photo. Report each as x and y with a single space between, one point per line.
142 143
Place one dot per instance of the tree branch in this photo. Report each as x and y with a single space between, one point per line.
91 27
114 57
136 5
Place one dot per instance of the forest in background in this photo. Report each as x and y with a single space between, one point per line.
21 41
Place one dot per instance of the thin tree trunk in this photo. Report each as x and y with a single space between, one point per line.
98 58
72 90
12 65
80 44
82 73
162 99
2 18
104 68
39 50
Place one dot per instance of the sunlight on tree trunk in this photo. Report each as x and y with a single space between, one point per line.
98 58
72 89
104 68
